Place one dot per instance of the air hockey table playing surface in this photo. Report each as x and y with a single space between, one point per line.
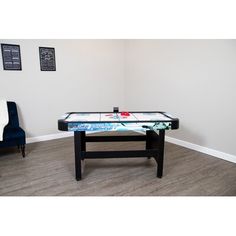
120 121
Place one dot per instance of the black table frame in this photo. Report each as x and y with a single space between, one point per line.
154 148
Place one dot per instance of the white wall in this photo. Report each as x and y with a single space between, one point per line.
193 79
89 77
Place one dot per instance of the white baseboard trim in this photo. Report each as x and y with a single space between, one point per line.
49 137
198 148
208 151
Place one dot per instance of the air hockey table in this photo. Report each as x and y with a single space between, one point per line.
150 126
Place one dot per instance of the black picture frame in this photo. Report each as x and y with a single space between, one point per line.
11 56
47 59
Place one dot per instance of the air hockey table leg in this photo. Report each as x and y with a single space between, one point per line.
160 158
79 137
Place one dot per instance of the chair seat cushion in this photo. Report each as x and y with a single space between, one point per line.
13 133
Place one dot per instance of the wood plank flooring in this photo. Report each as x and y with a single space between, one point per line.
48 170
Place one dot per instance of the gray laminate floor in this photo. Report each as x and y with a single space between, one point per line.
48 170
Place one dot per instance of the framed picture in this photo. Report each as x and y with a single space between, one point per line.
11 57
47 59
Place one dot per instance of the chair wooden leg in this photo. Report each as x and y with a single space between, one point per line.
23 150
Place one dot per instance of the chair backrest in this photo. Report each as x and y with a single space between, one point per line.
13 115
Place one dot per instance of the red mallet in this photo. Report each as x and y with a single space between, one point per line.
125 113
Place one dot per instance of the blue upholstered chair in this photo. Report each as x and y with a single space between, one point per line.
13 135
